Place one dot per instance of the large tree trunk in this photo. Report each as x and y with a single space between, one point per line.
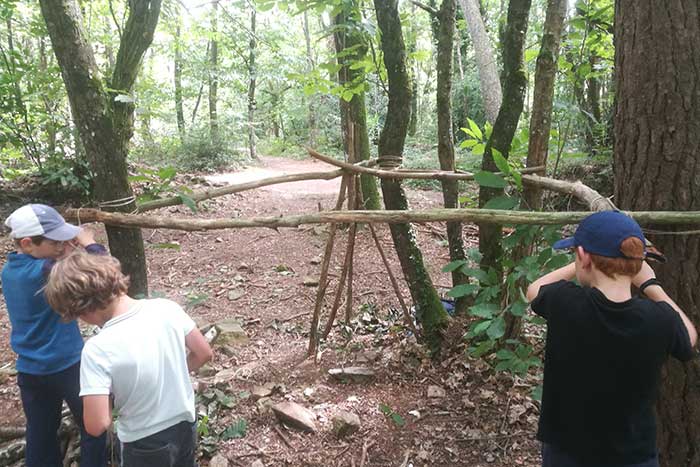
657 166
214 75
177 78
353 113
485 59
311 64
514 83
104 119
543 96
391 143
446 149
252 77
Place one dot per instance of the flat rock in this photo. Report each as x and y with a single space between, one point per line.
368 356
264 390
264 404
353 373
295 416
345 423
206 371
316 260
235 294
310 281
231 332
435 391
218 461
224 376
257 463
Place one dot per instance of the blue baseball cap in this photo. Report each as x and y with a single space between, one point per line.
602 234
39 219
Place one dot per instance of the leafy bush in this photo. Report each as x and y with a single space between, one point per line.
69 176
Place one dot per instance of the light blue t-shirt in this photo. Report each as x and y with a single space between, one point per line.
42 342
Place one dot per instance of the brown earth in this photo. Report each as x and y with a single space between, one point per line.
256 275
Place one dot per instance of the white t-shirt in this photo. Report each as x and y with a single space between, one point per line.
140 357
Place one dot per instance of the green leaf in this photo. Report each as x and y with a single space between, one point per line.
462 290
167 173
497 328
490 179
453 265
237 429
484 310
189 202
478 149
482 349
558 261
468 143
531 54
502 202
501 162
518 308
398 419
475 129
505 354
481 327
478 274
385 409
166 246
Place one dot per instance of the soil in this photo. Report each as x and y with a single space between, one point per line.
475 417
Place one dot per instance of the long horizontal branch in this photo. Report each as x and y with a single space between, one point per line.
392 217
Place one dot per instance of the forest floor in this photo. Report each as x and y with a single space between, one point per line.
414 412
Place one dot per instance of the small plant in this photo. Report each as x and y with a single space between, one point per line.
391 415
237 429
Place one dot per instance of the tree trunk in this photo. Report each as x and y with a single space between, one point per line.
177 77
446 148
214 75
543 96
252 76
413 123
485 59
514 83
353 113
49 106
391 143
313 130
657 166
106 121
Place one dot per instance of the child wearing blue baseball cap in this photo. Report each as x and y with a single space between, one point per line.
48 350
605 348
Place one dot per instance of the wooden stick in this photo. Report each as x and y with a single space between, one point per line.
485 216
12 432
352 234
281 435
323 280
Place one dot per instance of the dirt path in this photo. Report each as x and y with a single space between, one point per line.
256 276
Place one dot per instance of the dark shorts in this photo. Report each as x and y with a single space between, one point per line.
552 456
172 447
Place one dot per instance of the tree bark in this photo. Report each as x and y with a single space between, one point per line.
485 59
252 77
214 75
351 47
177 78
446 149
657 166
543 95
313 130
391 143
105 118
514 83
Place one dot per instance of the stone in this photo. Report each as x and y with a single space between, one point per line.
257 463
316 260
264 390
231 332
310 281
218 461
206 371
235 294
244 267
295 416
224 376
264 404
345 423
368 356
352 373
435 391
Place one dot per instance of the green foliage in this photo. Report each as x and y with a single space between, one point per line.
397 419
235 430
67 175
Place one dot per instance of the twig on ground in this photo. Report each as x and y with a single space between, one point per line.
365 448
281 435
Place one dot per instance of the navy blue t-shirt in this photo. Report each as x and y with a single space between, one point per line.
43 343
602 370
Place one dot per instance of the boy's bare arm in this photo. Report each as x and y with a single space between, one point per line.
566 273
658 294
97 415
200 351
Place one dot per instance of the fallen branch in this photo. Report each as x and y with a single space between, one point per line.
11 432
485 216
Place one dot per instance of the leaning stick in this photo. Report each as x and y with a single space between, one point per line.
351 249
323 280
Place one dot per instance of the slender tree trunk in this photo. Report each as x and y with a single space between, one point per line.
657 166
485 59
446 148
514 83
49 106
391 143
313 130
252 76
352 47
106 124
411 42
214 75
177 78
543 96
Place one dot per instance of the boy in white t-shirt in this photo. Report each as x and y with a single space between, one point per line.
140 357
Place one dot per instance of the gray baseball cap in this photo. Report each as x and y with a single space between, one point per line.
39 219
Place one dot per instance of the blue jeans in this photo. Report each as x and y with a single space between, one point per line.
42 400
172 447
552 456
